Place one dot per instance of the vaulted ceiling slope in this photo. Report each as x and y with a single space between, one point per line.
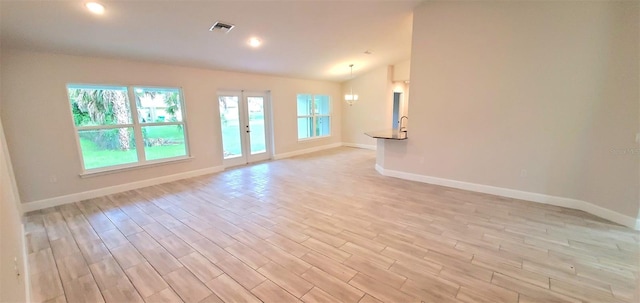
302 39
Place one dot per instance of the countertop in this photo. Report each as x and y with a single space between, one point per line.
390 134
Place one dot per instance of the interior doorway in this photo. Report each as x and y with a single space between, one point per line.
395 121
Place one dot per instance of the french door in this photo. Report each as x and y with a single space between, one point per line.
245 124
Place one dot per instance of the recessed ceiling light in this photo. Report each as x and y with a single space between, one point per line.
95 8
254 42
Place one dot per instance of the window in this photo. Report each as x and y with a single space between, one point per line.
111 135
314 116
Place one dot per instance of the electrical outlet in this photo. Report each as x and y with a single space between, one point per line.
15 267
638 138
53 179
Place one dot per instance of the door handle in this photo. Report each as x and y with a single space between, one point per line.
248 128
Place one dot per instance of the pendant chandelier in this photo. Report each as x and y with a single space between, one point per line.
351 98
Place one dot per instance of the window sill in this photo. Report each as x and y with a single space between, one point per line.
314 138
113 170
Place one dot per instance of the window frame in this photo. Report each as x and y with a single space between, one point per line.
314 117
135 125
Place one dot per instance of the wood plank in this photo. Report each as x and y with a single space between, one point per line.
334 268
242 273
230 291
176 246
369 299
374 257
331 285
317 295
107 273
380 290
326 249
82 289
202 268
282 258
46 285
166 295
532 292
161 260
370 269
66 246
433 290
122 291
145 279
94 251
187 286
362 241
249 256
582 291
72 267
391 237
285 279
486 294
127 256
288 245
268 292
113 238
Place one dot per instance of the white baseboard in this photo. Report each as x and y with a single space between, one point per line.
381 171
358 145
305 151
75 197
518 194
25 265
60 200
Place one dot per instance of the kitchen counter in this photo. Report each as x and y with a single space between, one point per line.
390 134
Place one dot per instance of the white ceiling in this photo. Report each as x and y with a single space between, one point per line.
303 39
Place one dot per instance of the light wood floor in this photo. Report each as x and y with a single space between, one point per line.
324 228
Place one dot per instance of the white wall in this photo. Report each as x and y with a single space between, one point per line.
402 71
41 136
12 287
373 110
540 97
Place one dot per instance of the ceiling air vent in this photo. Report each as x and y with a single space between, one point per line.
221 27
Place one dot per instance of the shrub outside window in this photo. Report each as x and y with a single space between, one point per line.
314 116
111 135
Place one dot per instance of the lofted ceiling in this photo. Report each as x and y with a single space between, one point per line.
302 39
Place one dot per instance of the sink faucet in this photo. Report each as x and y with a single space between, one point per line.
403 128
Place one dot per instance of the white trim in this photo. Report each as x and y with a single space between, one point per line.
518 194
358 145
381 170
25 266
306 151
136 165
314 138
55 201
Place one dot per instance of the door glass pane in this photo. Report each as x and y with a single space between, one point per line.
305 127
107 147
162 142
256 125
324 126
230 124
157 105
